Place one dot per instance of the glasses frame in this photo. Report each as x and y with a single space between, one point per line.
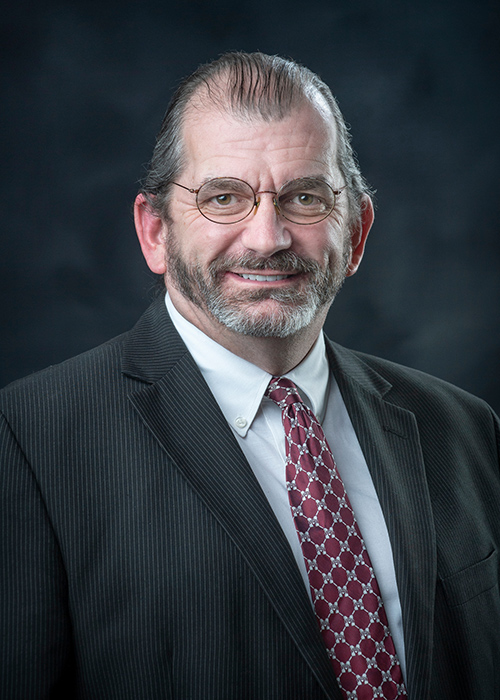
256 201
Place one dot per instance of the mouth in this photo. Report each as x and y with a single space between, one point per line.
263 278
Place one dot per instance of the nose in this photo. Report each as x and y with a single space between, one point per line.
265 231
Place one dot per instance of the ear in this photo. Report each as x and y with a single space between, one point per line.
151 232
360 233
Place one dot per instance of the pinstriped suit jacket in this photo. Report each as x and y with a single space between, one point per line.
141 560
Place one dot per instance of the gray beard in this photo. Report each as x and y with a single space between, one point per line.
296 310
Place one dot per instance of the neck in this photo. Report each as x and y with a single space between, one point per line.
277 356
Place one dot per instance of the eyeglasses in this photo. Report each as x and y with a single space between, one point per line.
228 200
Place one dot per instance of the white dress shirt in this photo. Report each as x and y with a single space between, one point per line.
238 387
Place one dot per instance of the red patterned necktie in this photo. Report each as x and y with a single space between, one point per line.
344 590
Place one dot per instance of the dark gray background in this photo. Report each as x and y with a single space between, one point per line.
84 88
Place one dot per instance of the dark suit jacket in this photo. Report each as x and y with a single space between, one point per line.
141 559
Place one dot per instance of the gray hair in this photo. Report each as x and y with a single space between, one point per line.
247 84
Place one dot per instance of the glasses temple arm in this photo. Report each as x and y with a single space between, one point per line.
189 189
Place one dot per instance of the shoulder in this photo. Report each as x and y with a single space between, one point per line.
448 420
96 385
134 351
84 374
417 391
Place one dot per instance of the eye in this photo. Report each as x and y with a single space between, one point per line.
224 199
224 193
304 199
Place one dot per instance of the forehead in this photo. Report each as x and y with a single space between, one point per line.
218 142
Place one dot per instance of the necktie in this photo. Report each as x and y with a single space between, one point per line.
344 589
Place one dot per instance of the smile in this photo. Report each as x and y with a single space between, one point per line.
263 278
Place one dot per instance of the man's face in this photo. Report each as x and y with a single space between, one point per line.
263 276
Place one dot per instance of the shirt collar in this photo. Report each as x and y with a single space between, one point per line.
238 385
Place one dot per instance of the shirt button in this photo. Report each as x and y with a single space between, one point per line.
240 422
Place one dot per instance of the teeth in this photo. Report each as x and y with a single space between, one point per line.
263 278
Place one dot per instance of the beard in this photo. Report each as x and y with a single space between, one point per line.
289 310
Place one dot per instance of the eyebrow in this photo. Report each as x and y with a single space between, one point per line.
304 179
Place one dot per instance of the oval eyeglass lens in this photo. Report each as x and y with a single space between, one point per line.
306 200
225 200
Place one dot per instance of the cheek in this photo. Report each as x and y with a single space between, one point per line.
325 245
201 242
339 239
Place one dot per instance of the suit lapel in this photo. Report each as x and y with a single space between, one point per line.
181 413
389 438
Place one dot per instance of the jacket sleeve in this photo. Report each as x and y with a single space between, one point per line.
35 639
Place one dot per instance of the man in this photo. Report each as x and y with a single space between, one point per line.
168 530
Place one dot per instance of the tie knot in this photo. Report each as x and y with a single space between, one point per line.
283 392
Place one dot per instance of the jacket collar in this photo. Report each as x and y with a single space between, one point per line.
153 346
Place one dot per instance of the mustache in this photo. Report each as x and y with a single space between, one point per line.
282 261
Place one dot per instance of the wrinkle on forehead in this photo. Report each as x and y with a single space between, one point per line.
199 115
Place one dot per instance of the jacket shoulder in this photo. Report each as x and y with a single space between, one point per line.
405 386
92 367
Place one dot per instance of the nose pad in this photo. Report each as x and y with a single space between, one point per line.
275 202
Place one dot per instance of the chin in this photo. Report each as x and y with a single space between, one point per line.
278 322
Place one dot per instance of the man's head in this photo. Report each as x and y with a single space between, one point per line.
274 270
